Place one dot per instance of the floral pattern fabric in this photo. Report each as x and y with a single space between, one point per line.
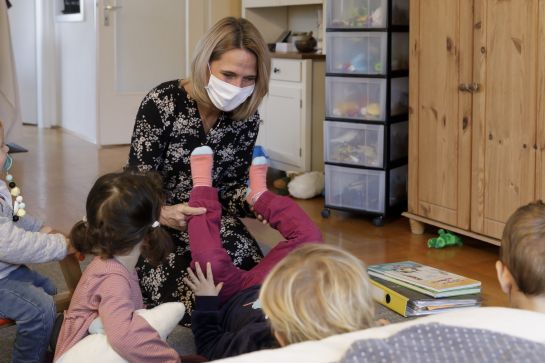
168 127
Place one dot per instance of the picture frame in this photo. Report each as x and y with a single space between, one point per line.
69 10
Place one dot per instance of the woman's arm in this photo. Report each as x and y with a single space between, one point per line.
150 135
148 146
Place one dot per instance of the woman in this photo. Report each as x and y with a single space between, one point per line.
216 106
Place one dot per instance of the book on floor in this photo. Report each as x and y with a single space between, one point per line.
425 279
408 302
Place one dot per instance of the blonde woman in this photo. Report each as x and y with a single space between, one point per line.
216 106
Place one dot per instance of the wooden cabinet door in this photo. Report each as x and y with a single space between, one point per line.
504 111
441 36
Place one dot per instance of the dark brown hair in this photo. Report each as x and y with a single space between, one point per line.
121 209
523 248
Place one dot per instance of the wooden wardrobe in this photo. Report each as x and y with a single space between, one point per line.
477 113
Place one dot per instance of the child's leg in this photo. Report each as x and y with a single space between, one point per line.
204 230
24 300
287 217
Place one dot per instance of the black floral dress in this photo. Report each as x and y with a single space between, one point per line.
168 127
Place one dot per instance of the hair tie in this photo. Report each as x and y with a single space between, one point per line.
155 224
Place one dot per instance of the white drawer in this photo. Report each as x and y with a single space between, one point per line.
286 70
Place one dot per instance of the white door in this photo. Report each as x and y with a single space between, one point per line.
141 44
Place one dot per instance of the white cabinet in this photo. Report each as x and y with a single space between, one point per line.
287 115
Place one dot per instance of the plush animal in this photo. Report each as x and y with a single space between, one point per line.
94 348
446 238
307 185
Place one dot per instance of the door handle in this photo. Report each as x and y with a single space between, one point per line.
107 9
112 7
469 87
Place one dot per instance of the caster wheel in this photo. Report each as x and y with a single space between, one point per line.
378 221
325 213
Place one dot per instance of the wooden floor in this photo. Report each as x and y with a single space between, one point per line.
59 169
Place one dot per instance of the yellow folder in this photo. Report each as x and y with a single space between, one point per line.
389 298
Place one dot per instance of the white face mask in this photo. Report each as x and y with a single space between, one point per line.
226 96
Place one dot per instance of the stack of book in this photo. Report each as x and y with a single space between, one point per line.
412 289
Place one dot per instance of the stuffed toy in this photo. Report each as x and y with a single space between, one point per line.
95 347
446 238
307 185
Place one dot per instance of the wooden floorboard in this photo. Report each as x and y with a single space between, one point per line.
59 169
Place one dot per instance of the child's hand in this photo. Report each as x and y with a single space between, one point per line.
46 229
200 284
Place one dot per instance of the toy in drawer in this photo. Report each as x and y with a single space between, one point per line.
357 189
357 14
356 52
352 143
399 96
356 98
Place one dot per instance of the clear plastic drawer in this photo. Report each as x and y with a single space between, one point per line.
352 143
357 189
399 140
357 14
356 52
400 12
399 96
400 51
398 185
356 98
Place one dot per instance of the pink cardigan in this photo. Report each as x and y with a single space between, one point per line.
108 289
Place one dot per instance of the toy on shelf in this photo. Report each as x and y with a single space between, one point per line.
361 17
347 109
445 238
353 148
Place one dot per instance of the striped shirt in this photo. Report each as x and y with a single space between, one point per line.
107 289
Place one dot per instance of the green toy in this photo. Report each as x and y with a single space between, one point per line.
446 238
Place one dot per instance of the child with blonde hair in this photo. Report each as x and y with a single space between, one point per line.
239 325
25 295
121 224
315 292
521 268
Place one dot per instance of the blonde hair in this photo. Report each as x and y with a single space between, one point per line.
522 248
317 291
228 34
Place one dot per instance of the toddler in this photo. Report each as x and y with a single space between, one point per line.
122 222
239 325
25 295
521 268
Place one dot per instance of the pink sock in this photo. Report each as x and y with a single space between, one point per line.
258 179
201 166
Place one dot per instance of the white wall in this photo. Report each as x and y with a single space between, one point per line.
22 21
77 74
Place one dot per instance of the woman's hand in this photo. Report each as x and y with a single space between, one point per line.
175 216
200 284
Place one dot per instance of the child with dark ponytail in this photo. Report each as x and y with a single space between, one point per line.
121 224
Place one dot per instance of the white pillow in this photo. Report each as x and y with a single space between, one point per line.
95 347
519 323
